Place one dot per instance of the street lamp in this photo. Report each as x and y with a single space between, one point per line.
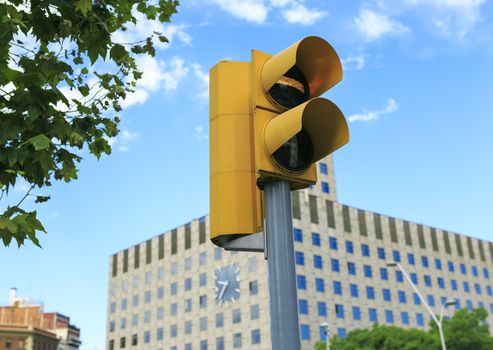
433 316
325 327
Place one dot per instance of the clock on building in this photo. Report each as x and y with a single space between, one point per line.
227 283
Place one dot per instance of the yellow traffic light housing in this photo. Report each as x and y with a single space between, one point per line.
235 199
293 128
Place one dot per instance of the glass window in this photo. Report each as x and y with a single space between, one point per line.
188 327
396 255
254 312
317 262
113 306
316 239
367 271
424 262
466 286
323 168
333 243
405 318
203 301
112 326
438 264
463 269
301 281
420 320
351 267
303 306
218 253
253 286
416 299
372 315
160 292
325 187
236 316
305 331
354 290
399 277
441 282
148 277
123 305
299 258
255 336
202 258
427 280
202 279
489 291
174 309
320 285
341 332
147 297
220 343
370 293
135 320
486 273
365 250
453 284
147 316
203 344
410 259
414 278
173 331
431 300
356 313
188 305
381 253
203 323
451 266
321 308
122 342
160 313
188 283
134 339
252 264
339 310
349 247
237 340
402 296
147 337
389 316
334 263
337 286
386 294
174 288
384 274
219 320
477 287
298 235
174 268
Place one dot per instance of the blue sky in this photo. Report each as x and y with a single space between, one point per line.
417 91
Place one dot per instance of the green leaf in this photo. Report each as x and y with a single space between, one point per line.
83 6
41 199
39 142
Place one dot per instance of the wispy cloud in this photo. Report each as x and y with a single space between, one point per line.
200 134
374 26
257 11
202 79
123 140
369 116
353 62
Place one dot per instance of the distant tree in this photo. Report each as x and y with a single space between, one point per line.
41 127
464 331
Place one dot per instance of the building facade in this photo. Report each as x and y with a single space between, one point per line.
177 291
24 326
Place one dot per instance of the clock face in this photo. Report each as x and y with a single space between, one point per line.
227 284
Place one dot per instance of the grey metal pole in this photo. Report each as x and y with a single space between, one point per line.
282 275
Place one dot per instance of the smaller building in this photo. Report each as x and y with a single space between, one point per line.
24 326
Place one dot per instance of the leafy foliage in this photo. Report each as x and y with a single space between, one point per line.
41 127
464 331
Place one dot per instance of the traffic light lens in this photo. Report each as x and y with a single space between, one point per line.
291 89
296 154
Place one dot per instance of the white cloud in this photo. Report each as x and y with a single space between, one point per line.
453 18
173 73
145 28
250 10
202 80
138 97
374 26
122 141
368 116
200 134
299 14
353 62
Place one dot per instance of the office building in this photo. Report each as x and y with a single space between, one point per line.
169 292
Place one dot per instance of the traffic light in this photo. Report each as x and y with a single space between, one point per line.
293 127
235 199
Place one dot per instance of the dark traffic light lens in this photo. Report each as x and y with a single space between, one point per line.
296 154
291 89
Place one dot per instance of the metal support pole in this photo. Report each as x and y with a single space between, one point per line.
282 275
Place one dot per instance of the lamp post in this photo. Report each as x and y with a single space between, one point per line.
325 326
433 316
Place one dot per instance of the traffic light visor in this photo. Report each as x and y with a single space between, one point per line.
319 126
308 68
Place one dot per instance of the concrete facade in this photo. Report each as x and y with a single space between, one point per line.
163 292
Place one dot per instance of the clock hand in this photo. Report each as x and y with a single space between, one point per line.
225 286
